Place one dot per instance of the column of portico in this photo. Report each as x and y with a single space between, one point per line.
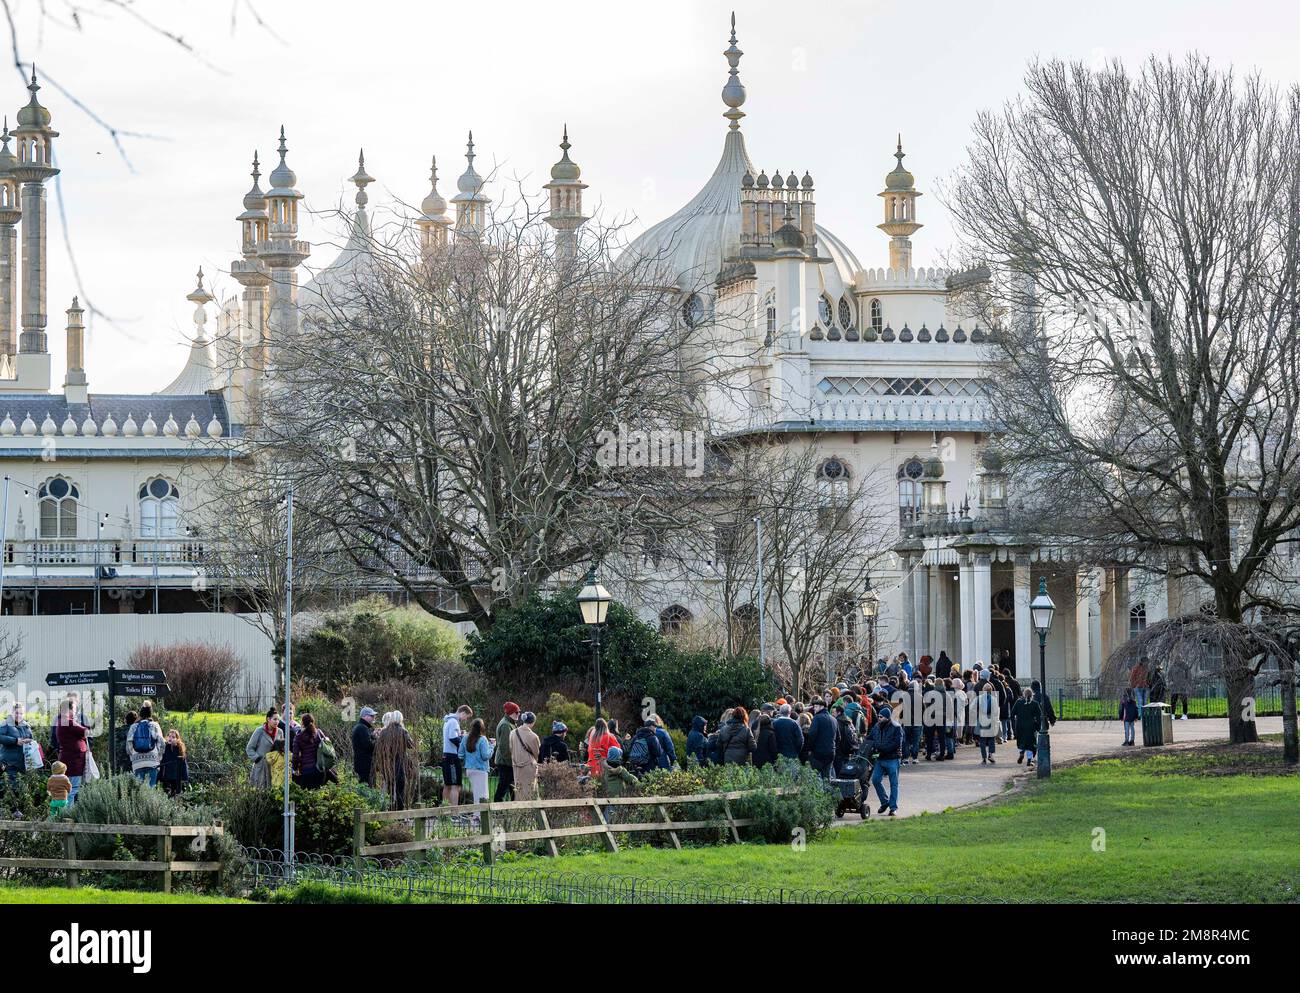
982 609
965 589
1086 598
921 607
938 639
1025 638
909 608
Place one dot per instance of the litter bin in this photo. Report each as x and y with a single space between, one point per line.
1157 725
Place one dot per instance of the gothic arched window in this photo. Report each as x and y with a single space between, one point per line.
824 312
833 493
160 502
1137 619
693 310
745 627
58 508
843 634
877 317
674 620
846 313
909 492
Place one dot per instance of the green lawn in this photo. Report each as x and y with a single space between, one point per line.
85 894
247 721
1207 825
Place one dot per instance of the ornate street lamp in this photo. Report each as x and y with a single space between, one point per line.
870 609
1042 609
593 601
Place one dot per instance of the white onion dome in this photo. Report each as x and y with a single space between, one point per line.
129 427
170 427
29 426
470 183
192 428
109 427
150 427
7 426
69 426
254 199
566 170
33 115
433 206
214 427
282 178
7 158
48 427
88 427
899 178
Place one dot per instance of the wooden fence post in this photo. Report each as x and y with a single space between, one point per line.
546 826
610 843
358 839
165 856
70 849
663 812
731 820
485 825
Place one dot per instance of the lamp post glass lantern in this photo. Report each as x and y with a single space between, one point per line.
1042 609
593 601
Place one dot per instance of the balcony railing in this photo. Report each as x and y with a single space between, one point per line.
54 552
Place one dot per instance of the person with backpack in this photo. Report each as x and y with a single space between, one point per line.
145 744
846 739
308 753
644 751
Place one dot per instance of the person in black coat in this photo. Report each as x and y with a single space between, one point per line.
363 746
788 734
820 740
765 742
697 741
643 763
555 746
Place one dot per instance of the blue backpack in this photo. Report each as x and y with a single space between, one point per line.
142 739
638 755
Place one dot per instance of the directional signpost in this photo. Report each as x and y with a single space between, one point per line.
123 682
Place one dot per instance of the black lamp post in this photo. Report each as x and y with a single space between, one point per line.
870 608
593 600
1042 609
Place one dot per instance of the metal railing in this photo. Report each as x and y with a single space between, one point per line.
265 870
102 552
1087 700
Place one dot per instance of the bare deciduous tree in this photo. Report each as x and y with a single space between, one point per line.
1141 233
471 421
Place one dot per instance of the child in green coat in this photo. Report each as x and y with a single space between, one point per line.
615 781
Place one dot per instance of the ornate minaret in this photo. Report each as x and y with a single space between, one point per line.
433 221
566 188
900 213
282 252
10 215
471 203
249 272
361 179
35 156
74 383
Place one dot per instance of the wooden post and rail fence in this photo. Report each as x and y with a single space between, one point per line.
164 865
493 841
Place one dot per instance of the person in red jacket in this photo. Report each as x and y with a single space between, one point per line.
599 742
73 746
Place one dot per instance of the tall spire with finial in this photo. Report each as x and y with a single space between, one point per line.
733 94
361 179
565 189
282 252
471 203
10 215
34 167
433 221
74 381
900 195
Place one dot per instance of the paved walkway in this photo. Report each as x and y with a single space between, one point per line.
936 786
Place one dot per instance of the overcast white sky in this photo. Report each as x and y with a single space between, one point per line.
830 83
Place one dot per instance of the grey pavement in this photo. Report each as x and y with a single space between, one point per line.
936 786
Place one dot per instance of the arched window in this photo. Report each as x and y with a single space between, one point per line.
909 492
744 621
833 497
159 508
674 620
846 314
693 310
769 305
1137 619
58 508
843 626
877 317
824 312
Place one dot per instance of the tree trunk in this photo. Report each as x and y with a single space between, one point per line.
1241 704
1290 739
